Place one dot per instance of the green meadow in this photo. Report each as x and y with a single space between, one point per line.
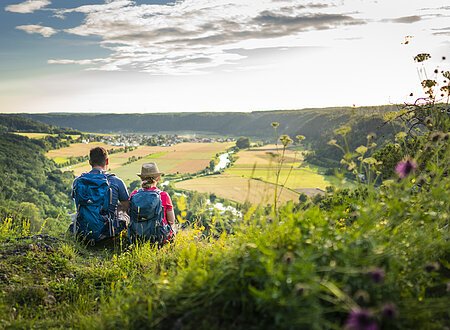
297 178
60 160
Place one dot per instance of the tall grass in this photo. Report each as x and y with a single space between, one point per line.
310 270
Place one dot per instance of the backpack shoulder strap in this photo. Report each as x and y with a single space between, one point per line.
108 175
137 192
82 175
157 191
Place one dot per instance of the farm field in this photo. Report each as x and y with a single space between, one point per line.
237 189
257 167
116 160
61 155
181 158
36 136
76 150
267 157
261 163
252 176
298 178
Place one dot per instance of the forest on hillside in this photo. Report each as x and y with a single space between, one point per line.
310 122
18 123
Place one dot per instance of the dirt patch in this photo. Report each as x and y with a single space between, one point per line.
191 166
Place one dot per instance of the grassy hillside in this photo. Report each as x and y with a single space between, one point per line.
380 258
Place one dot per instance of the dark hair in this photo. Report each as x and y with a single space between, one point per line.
148 181
98 156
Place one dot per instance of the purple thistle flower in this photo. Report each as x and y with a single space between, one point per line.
405 167
389 311
360 319
377 275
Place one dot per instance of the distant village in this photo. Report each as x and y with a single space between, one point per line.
164 140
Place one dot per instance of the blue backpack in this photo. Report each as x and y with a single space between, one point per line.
93 196
146 218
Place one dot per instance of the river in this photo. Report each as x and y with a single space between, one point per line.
224 161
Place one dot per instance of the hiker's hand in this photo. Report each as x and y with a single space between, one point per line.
174 228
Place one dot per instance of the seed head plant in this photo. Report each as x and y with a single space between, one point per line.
286 141
359 162
430 112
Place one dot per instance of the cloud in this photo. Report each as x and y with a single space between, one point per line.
79 62
45 31
192 36
110 5
406 19
271 22
442 31
437 8
28 6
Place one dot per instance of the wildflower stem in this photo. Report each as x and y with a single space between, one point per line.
280 164
252 175
289 173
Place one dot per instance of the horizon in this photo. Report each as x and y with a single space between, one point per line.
164 56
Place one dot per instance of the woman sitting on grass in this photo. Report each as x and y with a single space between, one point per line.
151 211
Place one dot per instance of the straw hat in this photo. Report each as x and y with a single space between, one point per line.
149 170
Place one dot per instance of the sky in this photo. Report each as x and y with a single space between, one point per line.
124 56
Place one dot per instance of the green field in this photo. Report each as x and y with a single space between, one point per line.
238 189
60 160
263 163
295 179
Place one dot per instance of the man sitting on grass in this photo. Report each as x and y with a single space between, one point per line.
101 199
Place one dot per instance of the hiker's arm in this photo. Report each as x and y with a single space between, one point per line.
170 216
124 206
168 210
124 196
